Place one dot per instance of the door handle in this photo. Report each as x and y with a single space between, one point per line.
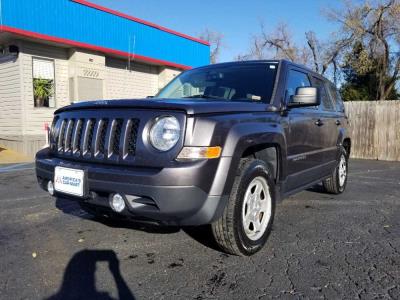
319 122
338 122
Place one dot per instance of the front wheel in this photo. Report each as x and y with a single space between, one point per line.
247 219
336 183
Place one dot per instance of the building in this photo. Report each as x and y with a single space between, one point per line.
54 52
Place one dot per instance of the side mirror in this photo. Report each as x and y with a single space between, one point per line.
305 96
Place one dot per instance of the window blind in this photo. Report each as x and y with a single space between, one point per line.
43 69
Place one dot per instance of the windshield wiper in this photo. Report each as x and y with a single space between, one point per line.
205 97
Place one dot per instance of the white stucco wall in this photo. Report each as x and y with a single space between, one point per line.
138 82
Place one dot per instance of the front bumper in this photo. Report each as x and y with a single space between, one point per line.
177 195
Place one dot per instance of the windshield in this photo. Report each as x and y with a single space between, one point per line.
253 82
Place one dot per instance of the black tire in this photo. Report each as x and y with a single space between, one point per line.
229 231
333 185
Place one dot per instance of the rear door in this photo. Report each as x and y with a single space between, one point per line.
338 102
329 129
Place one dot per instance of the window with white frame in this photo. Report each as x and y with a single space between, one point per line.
43 82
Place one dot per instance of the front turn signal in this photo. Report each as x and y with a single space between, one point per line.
194 153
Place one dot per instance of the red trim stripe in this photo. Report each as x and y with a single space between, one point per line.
54 39
125 16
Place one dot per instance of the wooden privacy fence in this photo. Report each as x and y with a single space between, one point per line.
374 129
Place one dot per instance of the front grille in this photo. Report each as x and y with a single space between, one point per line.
61 137
76 144
68 135
102 138
116 136
133 131
89 131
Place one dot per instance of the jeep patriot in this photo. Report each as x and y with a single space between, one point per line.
219 145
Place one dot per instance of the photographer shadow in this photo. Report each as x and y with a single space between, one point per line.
79 281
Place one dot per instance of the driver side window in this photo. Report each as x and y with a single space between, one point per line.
296 79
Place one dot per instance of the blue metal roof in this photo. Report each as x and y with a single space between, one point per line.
87 24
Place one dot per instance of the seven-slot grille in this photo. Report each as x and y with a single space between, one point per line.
95 137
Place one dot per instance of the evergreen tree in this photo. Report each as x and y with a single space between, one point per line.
360 76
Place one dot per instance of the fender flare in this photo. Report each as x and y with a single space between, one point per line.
343 135
240 138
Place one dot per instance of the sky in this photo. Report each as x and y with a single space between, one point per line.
237 20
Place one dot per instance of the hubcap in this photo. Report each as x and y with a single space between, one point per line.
342 170
256 211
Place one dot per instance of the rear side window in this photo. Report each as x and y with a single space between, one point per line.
296 79
335 95
326 102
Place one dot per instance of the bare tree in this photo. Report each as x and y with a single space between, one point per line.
216 43
242 57
376 26
279 44
328 55
314 46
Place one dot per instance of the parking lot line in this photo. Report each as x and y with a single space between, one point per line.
17 167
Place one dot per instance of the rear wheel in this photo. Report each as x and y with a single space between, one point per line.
336 183
247 219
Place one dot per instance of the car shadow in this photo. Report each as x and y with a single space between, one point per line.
318 188
201 234
72 207
79 281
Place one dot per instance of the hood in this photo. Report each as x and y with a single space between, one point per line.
191 107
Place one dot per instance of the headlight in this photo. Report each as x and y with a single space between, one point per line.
165 133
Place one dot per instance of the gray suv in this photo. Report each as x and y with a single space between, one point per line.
219 145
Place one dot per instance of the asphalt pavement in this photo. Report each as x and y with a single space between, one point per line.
321 246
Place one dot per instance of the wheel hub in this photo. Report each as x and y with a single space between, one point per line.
342 170
257 208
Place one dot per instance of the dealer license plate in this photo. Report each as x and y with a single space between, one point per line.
69 181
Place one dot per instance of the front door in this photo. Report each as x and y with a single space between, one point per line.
304 133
